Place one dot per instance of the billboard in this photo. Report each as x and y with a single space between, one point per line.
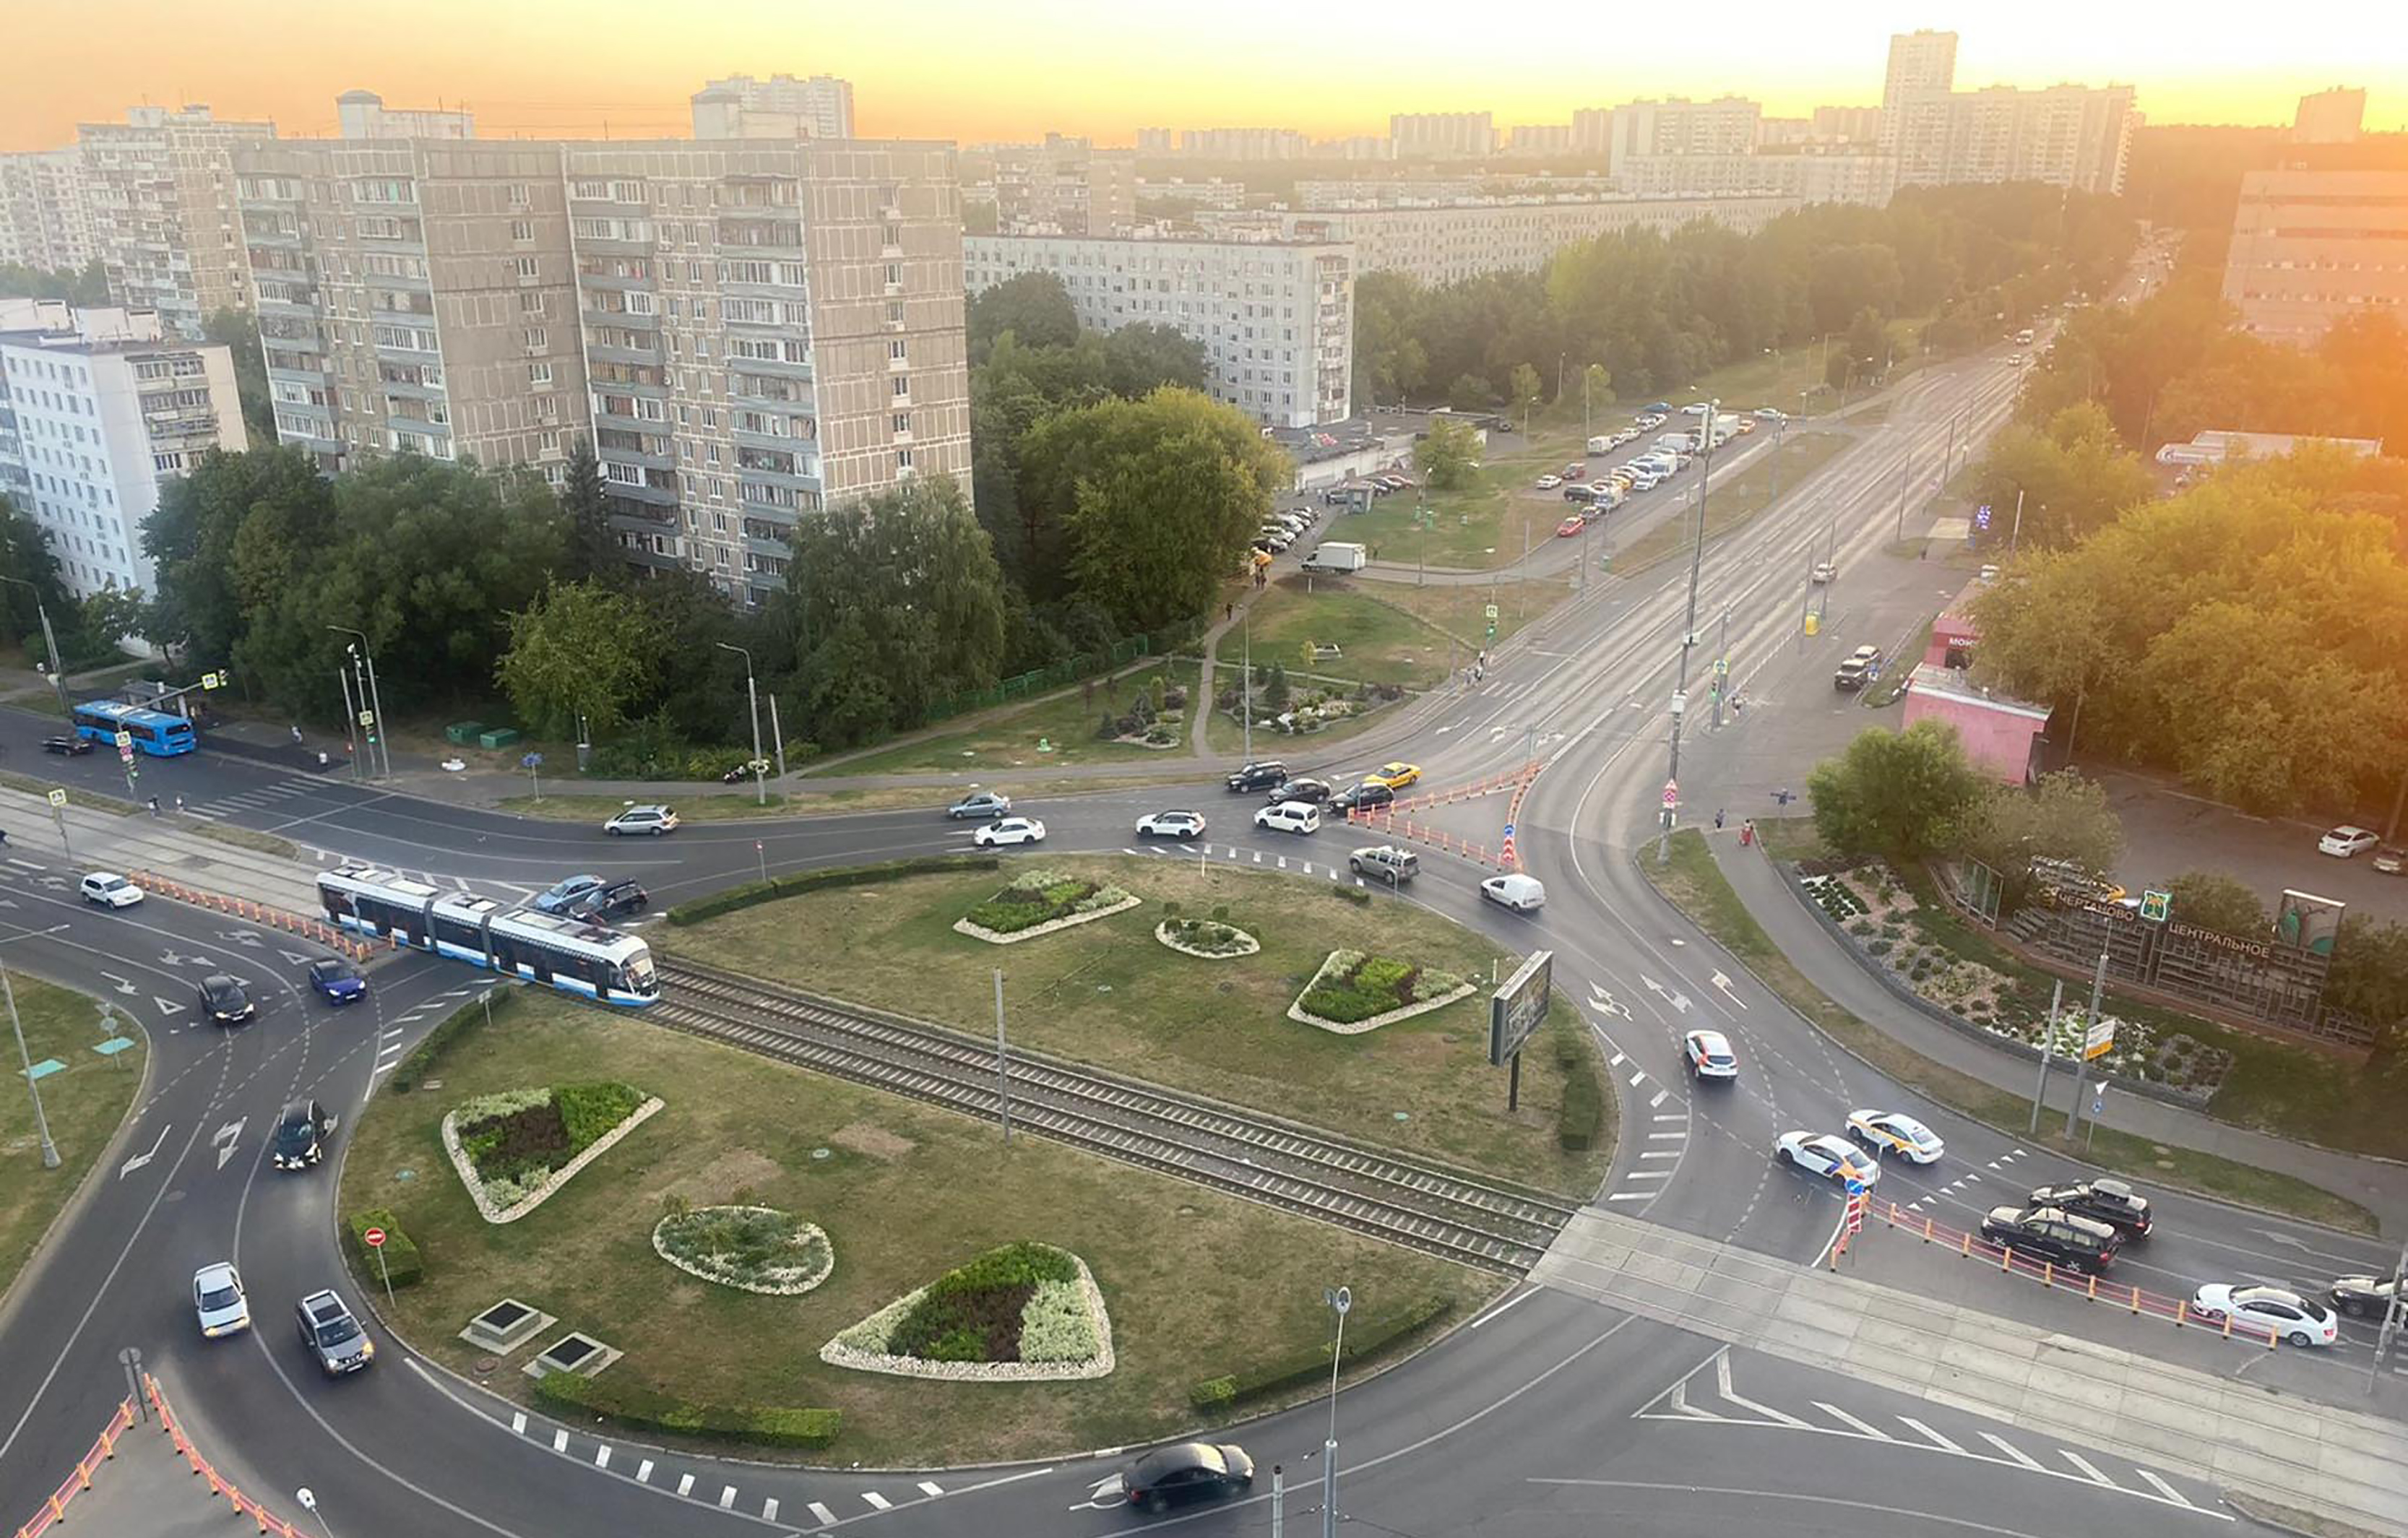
1519 1006
2308 922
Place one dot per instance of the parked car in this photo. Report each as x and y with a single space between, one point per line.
109 890
1170 825
217 1300
1709 1055
1010 831
2053 1235
1276 540
1549 482
613 899
1362 797
984 804
1577 493
1518 892
1828 1155
2390 859
301 1133
1258 775
333 1334
1769 413
1896 1133
560 894
1856 668
1313 791
336 981
1386 862
654 820
1289 817
2364 1297
2111 1201
2346 841
2293 1318
1575 470
1191 1471
74 747
223 1000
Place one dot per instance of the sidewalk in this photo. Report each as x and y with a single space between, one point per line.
97 840
2382 1188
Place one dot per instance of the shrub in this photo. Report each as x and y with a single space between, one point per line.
643 1408
1221 913
588 1110
801 882
1370 1334
1356 895
1583 1113
446 1034
402 1263
974 1312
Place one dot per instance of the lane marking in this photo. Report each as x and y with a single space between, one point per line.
644 1472
727 1498
1723 1386
1921 1430
1630 1195
877 1500
2012 1451
825 1518
560 1442
930 1487
602 1455
1669 1115
1662 1137
685 1484
2089 1468
518 1423
1514 1302
1660 1095
769 1509
1864 1427
2162 1487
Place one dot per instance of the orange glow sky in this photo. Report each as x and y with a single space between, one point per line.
979 69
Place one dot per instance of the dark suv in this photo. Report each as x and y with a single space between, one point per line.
614 900
2051 1234
1259 776
333 1335
301 1135
2108 1201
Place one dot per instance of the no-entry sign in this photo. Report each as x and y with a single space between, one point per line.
373 1237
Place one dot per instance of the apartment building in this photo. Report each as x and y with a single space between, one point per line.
1275 318
769 327
43 221
2067 136
1354 146
1538 140
779 107
1062 186
1203 193
160 188
1846 125
1448 244
415 296
1866 179
1921 63
1442 136
1727 125
2330 116
363 115
2313 247
98 409
1236 144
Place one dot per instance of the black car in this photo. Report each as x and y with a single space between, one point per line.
1311 792
1258 776
301 1135
2109 1202
2364 1297
1362 797
2052 1234
223 1000
614 900
74 747
1191 1470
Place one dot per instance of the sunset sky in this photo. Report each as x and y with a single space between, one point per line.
979 69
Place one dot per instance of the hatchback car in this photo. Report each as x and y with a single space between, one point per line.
1518 892
1825 1154
2292 1318
1260 775
1896 1133
109 890
1824 571
1008 831
1549 482
1170 825
1313 791
301 1134
333 1334
1290 817
2346 841
654 820
1709 1055
336 981
223 1000
556 897
982 804
611 899
2364 1297
1191 1471
72 747
218 1301
1396 776
2050 1234
2111 1201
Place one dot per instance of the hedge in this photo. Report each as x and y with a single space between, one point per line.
402 1263
1582 1116
755 892
1366 1336
448 1030
643 1408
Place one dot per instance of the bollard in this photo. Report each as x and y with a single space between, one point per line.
2136 1297
2093 1295
2048 1273
2182 1310
2269 1340
1926 1227
2228 1326
1968 1249
2007 1259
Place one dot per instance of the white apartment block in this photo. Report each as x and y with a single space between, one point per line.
1678 126
1847 125
1921 63
363 115
2311 248
97 409
1276 319
1204 192
1442 136
415 296
160 187
779 107
1446 245
1241 144
1060 186
2330 116
1538 140
1354 146
769 328
1866 179
43 221
2067 136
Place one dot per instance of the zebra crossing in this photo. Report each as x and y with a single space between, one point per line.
258 799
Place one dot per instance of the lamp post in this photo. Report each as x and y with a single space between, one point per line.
49 643
753 697
33 1086
381 738
309 1499
1340 1299
1689 626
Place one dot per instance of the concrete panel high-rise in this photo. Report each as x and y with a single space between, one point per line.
2311 248
1921 63
2067 136
1064 186
2330 116
43 221
779 107
1678 126
160 186
363 115
1441 136
1447 243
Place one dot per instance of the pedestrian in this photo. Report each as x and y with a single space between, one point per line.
322 758
1737 705
296 734
154 806
1228 611
1718 819
1747 832
180 806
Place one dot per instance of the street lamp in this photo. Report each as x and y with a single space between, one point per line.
380 737
752 695
33 1086
49 643
1340 1299
309 1499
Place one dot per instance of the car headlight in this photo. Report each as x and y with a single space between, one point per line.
367 1349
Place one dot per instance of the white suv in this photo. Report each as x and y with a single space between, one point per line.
109 890
643 819
1290 817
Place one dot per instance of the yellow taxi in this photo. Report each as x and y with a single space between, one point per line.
1394 776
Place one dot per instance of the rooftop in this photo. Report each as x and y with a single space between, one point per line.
1951 683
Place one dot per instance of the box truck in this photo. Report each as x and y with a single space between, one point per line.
1337 556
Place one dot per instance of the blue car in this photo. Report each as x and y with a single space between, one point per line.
337 982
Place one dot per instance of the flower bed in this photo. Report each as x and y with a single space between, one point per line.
1039 902
512 1150
1834 897
1353 993
1023 1312
754 1249
1207 937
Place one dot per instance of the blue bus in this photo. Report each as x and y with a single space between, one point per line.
155 732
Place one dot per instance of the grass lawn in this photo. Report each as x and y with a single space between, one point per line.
1385 632
1108 994
1066 723
1898 671
1479 526
1730 501
1791 838
1204 1284
83 1103
932 793
91 800
1694 884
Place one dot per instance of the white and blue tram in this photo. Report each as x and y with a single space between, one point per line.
548 948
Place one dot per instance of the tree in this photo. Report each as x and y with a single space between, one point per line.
594 553
1032 307
1897 794
2062 816
1846 282
198 608
89 286
240 335
1598 381
1862 356
1142 358
25 554
2370 980
2214 900
101 624
1525 386
1470 393
1448 455
579 653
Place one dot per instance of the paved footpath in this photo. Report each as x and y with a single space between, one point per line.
2380 1188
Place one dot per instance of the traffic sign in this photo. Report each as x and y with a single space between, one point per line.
373 1237
2154 906
1680 702
2099 1039
1981 516
1672 793
1855 1187
125 740
58 798
1488 610
531 760
212 680
1722 667
367 718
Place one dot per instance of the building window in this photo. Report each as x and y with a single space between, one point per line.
894 275
902 421
898 351
902 386
517 195
529 266
894 312
522 229
537 338
903 462
540 374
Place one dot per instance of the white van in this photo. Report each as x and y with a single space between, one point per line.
1601 445
1518 892
1290 817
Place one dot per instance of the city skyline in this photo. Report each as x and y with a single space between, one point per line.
1050 65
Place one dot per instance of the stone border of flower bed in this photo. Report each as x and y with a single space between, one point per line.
979 931
1297 1013
786 1289
836 1354
560 1177
1162 933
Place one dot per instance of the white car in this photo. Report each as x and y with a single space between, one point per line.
109 890
1696 409
1170 825
1824 572
2346 841
1010 830
654 820
1896 1133
1709 1056
217 1300
1289 817
1828 1155
1518 892
1549 482
2300 1321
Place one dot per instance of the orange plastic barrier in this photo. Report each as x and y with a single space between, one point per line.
257 912
54 1510
219 1485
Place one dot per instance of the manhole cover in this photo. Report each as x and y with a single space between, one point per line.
404 1174
823 1153
485 1365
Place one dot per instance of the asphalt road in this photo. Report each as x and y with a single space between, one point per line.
1550 1416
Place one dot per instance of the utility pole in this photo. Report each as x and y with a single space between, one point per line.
2081 1074
1340 1299
34 1085
1902 500
2388 1336
777 737
1722 664
2016 536
350 716
1688 627
1002 1062
753 697
2040 1092
1246 684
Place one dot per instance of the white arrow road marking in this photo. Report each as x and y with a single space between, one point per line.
172 958
1653 987
295 957
166 1006
123 986
229 1139
139 1160
1723 982
1681 1003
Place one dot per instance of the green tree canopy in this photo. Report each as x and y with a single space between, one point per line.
1031 306
1448 454
2214 900
1902 795
580 650
239 334
594 553
199 609
2062 816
